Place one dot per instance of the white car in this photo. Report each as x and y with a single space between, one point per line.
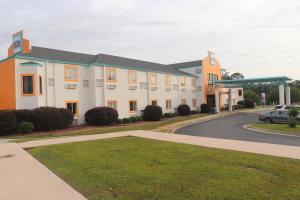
285 107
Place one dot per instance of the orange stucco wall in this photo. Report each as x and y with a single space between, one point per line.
213 69
8 84
26 48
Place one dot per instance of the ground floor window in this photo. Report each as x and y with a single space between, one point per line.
112 104
154 102
73 106
194 103
27 84
183 101
41 85
168 104
133 106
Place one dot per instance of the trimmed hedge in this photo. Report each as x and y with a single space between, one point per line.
8 122
152 113
101 116
205 108
25 127
50 118
247 103
184 110
169 115
127 121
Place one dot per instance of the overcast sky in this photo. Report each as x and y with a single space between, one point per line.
254 37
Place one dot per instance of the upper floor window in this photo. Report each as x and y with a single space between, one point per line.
194 82
182 81
168 80
41 85
153 79
154 102
212 78
111 75
71 73
240 93
27 84
132 77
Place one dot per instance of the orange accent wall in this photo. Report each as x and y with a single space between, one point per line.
26 48
8 84
214 69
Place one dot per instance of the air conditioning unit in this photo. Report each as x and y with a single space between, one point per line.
70 86
132 87
168 88
111 86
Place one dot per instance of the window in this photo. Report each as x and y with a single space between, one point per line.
112 104
211 79
27 84
168 80
194 103
182 82
154 102
183 101
194 82
168 104
72 106
111 75
240 93
133 106
153 79
40 85
132 77
71 73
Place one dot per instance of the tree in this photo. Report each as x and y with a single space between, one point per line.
274 96
295 95
237 76
249 94
296 84
225 75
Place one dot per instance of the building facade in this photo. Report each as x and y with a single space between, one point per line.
34 76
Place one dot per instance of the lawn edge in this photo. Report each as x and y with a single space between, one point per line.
273 132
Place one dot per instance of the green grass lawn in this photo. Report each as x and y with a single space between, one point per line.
282 128
105 129
134 169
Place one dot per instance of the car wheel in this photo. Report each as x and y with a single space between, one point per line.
268 120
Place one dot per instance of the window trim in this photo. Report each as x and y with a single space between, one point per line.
73 101
33 85
155 75
184 82
135 73
154 100
110 101
168 84
41 86
65 73
107 69
135 111
171 104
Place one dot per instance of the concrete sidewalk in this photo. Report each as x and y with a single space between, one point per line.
246 146
23 177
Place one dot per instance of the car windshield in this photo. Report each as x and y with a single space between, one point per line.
278 107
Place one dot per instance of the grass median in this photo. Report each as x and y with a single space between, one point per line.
277 128
134 168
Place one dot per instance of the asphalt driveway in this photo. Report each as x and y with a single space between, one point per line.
231 127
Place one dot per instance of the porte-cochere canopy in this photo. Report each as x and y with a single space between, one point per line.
252 82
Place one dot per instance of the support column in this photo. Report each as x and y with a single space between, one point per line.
217 99
281 94
229 100
288 95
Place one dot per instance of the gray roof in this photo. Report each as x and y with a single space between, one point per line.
80 58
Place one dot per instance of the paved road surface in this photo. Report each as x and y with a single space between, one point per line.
231 127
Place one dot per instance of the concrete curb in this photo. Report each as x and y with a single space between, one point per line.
260 130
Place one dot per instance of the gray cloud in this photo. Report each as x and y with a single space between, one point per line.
258 37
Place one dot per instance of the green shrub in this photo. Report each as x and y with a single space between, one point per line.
120 121
249 94
169 115
293 113
7 122
50 118
152 113
101 116
25 127
134 119
24 115
194 112
249 103
126 120
184 110
139 118
205 108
